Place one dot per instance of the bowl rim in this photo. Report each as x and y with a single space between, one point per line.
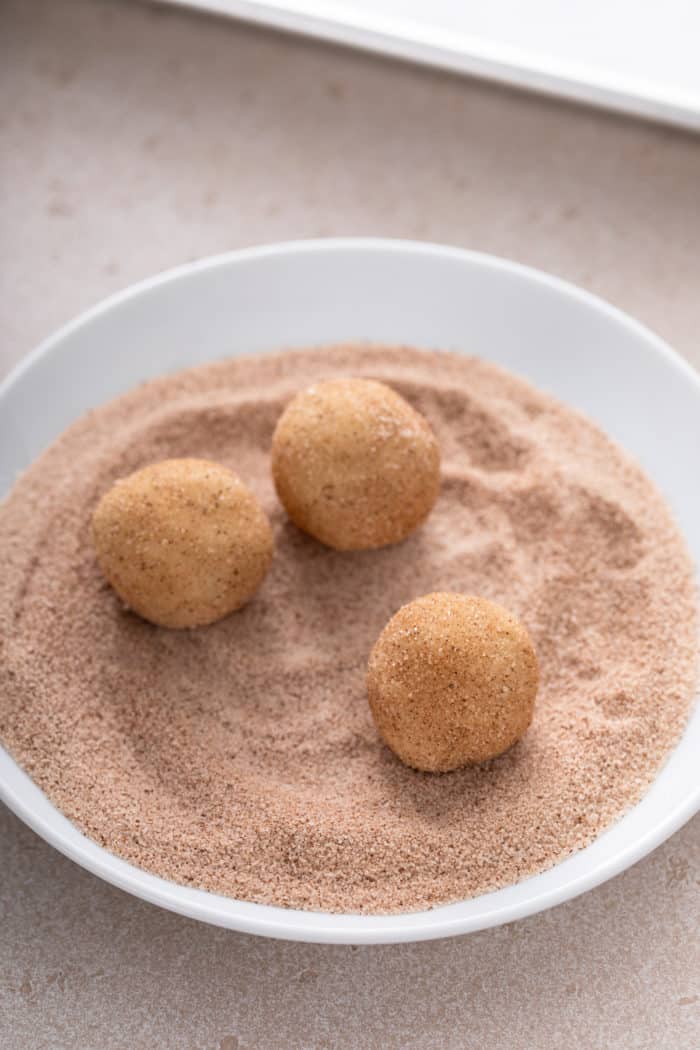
269 920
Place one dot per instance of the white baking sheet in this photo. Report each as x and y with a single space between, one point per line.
636 56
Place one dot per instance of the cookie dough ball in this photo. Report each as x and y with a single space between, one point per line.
354 465
452 680
183 542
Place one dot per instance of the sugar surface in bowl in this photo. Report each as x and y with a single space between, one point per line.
242 757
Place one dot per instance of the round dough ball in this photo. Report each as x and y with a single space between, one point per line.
354 465
452 680
183 542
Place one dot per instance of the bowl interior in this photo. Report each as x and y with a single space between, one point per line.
562 339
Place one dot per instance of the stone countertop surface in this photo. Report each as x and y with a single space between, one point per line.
135 138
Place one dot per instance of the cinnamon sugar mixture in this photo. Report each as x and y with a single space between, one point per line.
241 757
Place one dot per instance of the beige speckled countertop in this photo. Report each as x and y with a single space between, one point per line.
137 138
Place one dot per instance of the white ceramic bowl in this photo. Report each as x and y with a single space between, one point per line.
562 339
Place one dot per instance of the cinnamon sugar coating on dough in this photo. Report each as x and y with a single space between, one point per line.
452 680
354 465
182 541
